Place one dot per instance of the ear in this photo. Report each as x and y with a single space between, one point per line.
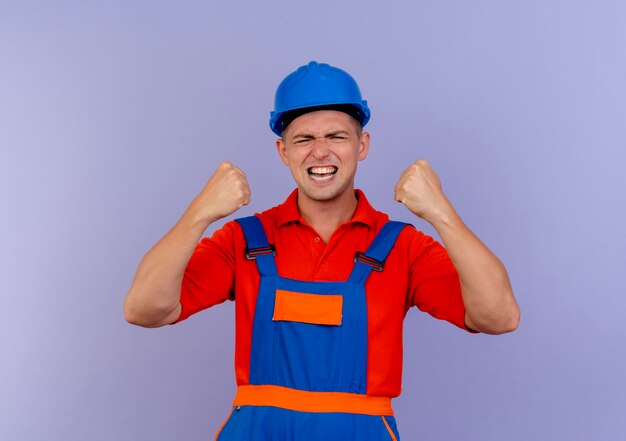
364 145
282 151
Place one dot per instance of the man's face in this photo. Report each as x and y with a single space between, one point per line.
322 149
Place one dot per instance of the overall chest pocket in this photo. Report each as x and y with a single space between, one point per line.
309 308
308 340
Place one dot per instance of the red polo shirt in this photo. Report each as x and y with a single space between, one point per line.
418 272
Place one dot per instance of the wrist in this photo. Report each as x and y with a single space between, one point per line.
445 216
194 220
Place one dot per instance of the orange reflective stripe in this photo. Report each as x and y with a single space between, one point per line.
306 401
223 424
308 308
393 437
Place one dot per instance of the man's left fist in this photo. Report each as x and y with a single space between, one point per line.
419 189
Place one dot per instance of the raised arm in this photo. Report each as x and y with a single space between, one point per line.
487 294
154 296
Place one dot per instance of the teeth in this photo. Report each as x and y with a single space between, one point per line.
321 178
322 170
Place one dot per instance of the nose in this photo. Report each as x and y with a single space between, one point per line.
319 149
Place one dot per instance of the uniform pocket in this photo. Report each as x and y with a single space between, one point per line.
391 434
300 307
223 424
238 425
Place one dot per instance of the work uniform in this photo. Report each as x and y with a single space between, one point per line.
319 356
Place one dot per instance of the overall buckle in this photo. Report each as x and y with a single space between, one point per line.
251 253
377 265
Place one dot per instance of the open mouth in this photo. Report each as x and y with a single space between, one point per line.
322 173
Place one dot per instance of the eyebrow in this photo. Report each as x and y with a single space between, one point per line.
332 133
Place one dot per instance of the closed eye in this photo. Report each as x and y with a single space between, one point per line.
303 141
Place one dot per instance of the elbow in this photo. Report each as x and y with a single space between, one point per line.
496 313
147 315
509 324
505 323
512 316
514 323
495 322
132 315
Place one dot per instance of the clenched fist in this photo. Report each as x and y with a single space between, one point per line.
226 192
419 189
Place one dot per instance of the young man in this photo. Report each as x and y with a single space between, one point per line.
323 281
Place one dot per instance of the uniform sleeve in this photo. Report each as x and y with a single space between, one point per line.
434 283
209 276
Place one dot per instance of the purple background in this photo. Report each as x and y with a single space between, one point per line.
113 116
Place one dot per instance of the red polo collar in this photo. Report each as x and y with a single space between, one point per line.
288 210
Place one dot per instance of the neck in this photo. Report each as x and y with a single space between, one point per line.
326 216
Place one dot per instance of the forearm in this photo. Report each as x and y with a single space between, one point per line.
487 294
154 297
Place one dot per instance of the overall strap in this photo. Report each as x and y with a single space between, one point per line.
376 254
258 247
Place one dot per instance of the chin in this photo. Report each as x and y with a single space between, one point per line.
322 195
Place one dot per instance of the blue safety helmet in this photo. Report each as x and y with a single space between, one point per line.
316 87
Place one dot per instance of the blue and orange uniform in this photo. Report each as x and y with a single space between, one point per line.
319 333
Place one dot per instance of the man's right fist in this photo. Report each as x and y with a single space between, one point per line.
226 192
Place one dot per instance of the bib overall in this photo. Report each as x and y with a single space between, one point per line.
308 369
